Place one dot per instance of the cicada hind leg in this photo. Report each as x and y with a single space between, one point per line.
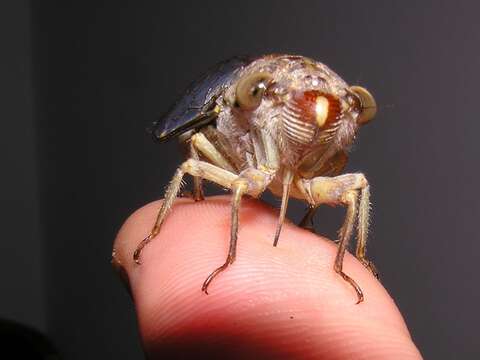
307 220
198 144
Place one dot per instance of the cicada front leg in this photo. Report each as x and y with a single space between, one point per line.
221 172
239 188
250 181
195 168
346 190
197 180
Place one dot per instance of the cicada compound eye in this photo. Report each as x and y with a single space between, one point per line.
368 106
250 90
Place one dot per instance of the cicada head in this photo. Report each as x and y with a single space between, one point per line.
302 103
316 120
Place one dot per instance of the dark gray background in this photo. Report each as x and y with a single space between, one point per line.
80 83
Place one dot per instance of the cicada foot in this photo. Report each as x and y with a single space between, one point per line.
140 246
170 195
352 282
195 195
307 226
214 274
370 266
198 190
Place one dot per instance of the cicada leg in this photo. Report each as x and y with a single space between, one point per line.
200 145
221 173
170 195
362 235
238 189
197 180
307 220
345 233
194 168
206 148
250 181
344 189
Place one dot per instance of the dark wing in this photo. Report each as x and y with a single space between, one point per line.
195 108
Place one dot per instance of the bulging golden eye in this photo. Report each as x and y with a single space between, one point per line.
250 90
368 106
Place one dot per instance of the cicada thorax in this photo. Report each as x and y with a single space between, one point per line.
309 120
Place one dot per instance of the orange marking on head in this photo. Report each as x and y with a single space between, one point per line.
317 107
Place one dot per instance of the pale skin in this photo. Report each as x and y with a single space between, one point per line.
280 302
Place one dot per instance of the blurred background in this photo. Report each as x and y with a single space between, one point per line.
80 82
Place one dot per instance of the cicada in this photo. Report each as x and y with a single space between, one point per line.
282 123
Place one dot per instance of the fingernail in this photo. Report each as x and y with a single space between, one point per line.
122 274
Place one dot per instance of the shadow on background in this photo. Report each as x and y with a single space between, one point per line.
103 72
22 342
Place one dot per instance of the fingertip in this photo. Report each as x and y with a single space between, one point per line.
286 297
